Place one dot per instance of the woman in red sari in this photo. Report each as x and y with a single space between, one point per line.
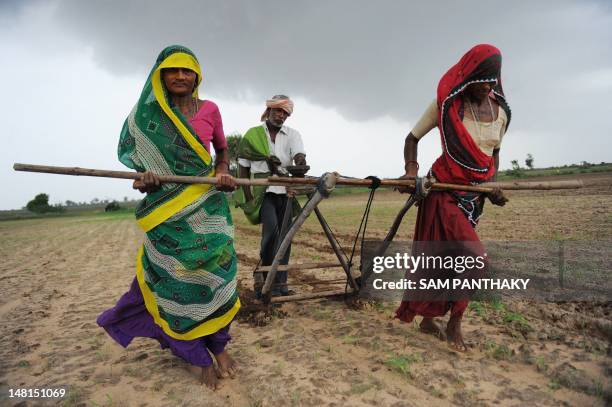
472 115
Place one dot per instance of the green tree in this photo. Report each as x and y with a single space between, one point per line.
516 170
232 150
529 161
40 204
113 206
59 208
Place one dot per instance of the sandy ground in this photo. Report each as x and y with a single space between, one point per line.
57 275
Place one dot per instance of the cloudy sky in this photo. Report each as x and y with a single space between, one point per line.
361 73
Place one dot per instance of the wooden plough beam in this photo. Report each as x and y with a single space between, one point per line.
324 186
288 181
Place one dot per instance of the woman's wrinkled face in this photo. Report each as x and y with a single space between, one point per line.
179 81
479 90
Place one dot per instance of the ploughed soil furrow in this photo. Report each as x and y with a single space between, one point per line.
57 275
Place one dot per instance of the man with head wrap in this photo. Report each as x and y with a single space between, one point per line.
265 150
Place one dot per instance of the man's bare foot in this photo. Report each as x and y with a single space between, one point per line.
209 378
227 365
429 326
454 334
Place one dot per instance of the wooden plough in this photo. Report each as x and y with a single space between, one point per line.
323 187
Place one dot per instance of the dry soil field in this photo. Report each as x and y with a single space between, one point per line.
57 275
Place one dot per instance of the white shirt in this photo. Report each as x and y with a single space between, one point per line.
287 144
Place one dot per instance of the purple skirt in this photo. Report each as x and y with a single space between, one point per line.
130 318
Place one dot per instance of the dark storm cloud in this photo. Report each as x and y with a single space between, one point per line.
363 58
12 7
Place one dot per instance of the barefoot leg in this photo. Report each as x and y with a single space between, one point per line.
209 377
227 365
429 326
455 335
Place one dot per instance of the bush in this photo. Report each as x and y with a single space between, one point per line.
529 161
40 204
516 170
232 151
112 206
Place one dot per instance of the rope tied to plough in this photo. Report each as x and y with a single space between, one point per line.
363 224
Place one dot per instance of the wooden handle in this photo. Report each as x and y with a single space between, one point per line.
288 181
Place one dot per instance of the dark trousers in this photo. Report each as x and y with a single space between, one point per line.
272 213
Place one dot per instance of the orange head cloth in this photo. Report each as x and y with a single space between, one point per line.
278 102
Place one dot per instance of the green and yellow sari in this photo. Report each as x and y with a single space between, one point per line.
186 268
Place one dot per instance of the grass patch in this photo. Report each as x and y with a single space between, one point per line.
159 385
478 308
541 364
360 388
379 306
498 351
101 356
296 398
278 368
502 352
402 363
171 395
585 168
119 214
496 307
350 340
376 344
599 388
510 317
23 363
436 393
74 397
19 215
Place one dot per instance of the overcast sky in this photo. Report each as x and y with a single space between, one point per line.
361 73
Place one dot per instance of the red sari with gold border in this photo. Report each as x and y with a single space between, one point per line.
450 215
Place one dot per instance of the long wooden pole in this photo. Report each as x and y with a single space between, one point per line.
288 181
309 296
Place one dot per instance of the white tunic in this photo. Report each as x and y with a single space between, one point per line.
287 144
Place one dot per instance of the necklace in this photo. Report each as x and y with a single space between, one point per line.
191 109
194 107
478 124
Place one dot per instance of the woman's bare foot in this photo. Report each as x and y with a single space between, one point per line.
454 334
209 378
429 326
226 365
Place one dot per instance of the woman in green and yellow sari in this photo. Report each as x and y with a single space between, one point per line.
184 293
